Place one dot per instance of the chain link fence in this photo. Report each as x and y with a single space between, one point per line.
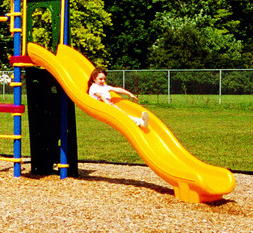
5 79
163 84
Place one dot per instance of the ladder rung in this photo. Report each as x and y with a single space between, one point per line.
14 14
15 84
16 30
5 136
3 18
23 64
15 160
16 114
59 165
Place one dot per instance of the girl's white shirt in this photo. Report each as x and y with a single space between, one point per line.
103 90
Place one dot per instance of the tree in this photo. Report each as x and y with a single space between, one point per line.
6 43
194 41
129 38
135 27
243 11
87 20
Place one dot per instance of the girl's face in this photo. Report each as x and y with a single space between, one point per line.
100 79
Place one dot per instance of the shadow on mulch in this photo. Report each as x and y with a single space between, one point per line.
32 176
84 174
219 202
5 169
223 206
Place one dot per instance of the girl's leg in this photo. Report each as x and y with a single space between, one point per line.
138 121
143 121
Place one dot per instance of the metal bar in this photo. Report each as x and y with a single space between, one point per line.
12 137
66 22
64 136
24 27
124 79
181 70
3 18
64 100
11 160
4 91
169 94
220 80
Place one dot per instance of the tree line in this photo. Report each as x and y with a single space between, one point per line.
130 34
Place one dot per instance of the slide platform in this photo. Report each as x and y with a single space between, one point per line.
192 180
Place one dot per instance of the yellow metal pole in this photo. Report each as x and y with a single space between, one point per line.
24 28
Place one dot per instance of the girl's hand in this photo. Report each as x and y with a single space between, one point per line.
124 92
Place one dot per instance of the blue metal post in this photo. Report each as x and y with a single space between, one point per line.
64 136
66 23
64 103
17 89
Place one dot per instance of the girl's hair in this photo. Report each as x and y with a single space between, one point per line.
94 75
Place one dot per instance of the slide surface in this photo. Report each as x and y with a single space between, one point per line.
192 180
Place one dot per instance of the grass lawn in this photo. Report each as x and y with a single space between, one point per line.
220 134
221 138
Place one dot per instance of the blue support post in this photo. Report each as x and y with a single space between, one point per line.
64 137
64 104
66 23
17 89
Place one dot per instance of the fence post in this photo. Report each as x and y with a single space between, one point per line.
169 95
124 79
220 86
3 91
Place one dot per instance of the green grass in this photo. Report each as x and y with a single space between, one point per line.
233 102
219 134
221 138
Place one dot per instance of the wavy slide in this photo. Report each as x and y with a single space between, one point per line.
192 180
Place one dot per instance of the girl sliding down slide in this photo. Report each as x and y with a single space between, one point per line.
98 89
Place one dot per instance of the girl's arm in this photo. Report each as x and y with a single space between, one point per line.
102 98
120 90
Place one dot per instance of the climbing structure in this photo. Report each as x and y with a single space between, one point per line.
16 109
51 113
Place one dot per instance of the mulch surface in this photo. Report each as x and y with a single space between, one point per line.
114 198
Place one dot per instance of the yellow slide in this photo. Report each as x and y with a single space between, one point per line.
192 180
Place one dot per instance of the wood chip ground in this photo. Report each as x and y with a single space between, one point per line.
114 198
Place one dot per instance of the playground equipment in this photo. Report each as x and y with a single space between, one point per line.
192 180
51 113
